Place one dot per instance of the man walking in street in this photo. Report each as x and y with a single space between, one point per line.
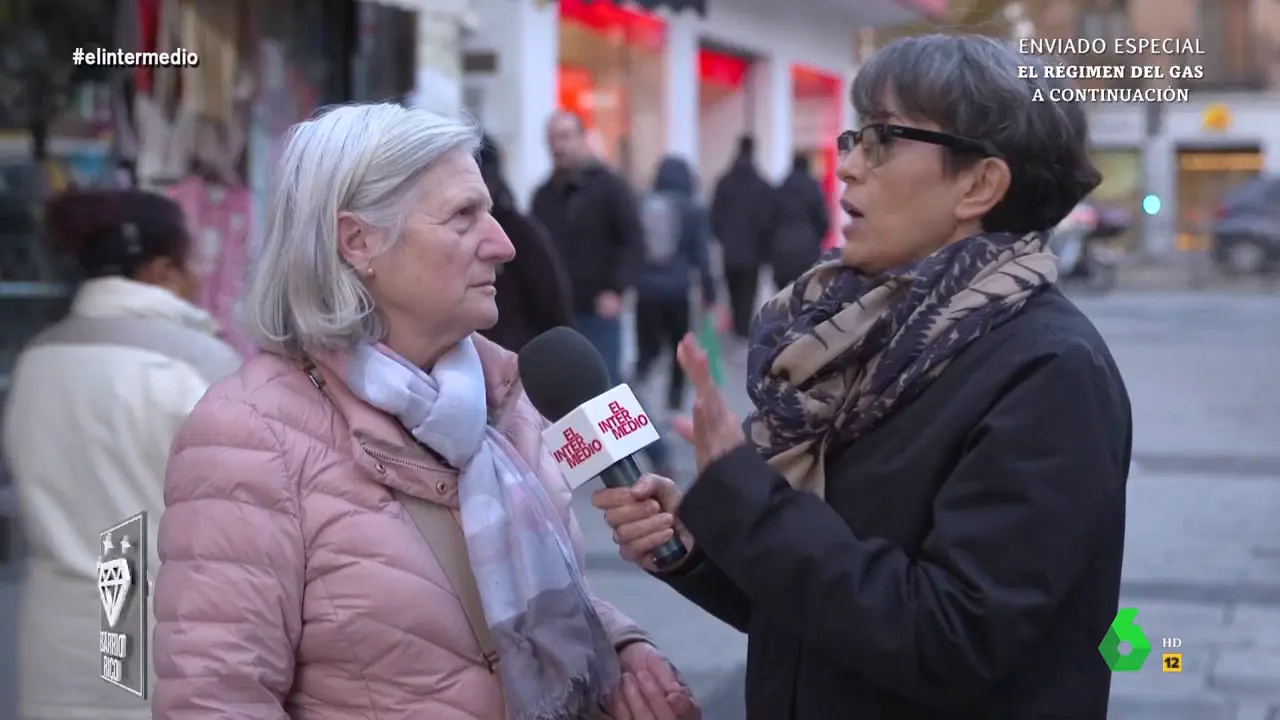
802 223
592 215
742 219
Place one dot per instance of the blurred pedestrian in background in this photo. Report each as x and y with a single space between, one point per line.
95 403
803 221
742 220
925 515
533 289
591 214
677 233
365 516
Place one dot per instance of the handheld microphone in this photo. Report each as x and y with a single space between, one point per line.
597 430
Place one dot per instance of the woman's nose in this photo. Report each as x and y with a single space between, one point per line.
852 167
495 246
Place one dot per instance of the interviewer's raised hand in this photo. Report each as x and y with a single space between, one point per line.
714 430
642 517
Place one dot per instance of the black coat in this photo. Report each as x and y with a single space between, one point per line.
802 223
532 289
743 216
966 561
594 221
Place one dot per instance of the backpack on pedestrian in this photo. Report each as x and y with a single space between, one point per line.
662 217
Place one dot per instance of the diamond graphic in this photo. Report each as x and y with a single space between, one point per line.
114 582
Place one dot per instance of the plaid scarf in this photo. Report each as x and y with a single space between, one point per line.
838 350
556 660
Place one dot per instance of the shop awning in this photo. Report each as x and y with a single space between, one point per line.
883 13
698 6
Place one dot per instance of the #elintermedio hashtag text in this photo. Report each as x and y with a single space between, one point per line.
128 58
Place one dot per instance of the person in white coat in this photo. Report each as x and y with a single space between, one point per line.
94 404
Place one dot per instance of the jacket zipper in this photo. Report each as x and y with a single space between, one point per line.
378 454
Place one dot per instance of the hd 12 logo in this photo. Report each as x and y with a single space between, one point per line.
122 596
1125 630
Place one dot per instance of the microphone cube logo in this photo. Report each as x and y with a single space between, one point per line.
122 596
576 449
621 423
597 434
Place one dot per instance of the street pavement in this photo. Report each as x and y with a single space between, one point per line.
1202 556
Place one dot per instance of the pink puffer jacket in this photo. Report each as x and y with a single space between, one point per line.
293 585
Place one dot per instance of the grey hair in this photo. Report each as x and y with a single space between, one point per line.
969 85
301 295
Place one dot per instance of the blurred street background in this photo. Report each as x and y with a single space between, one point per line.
1176 253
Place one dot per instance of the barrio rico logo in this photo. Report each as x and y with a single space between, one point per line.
576 450
620 423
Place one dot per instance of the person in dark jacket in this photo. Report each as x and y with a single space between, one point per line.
676 239
592 217
803 221
742 219
532 289
924 517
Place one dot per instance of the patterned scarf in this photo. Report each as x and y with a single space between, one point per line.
556 661
838 350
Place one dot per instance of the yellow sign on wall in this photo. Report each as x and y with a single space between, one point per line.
1217 117
1248 162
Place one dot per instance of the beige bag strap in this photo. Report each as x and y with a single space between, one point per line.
444 535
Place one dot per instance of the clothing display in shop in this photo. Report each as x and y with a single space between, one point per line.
189 119
219 219
210 29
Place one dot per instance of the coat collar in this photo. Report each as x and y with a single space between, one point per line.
111 297
382 446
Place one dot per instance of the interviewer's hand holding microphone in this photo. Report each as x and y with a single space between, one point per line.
643 515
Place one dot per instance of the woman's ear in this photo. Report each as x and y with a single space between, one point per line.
989 183
355 241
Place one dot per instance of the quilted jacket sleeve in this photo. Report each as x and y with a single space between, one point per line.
228 600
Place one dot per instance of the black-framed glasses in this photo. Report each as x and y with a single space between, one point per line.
877 138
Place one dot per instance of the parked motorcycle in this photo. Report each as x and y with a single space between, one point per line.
1084 244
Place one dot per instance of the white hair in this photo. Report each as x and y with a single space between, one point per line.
301 295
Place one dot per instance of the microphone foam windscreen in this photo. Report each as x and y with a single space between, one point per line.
560 369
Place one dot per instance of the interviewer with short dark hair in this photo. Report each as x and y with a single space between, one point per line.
924 516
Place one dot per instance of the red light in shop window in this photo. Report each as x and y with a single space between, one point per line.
575 87
640 28
722 68
814 83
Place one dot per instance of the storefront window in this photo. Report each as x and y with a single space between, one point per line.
1121 188
726 111
815 124
613 74
54 132
1204 178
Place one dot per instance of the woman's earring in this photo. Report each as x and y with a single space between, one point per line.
368 272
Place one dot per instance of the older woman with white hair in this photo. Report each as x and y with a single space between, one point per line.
363 521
